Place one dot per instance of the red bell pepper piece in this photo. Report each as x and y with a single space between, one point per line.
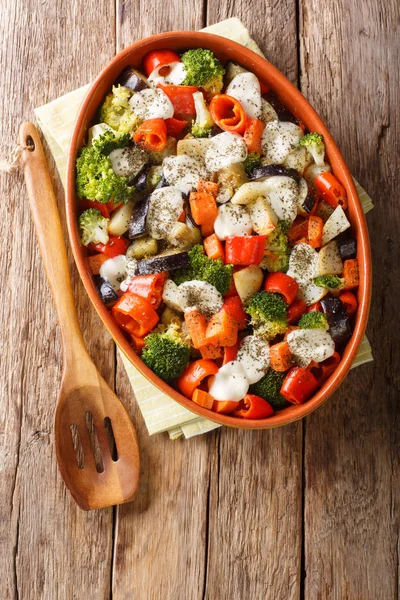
253 135
298 231
230 353
151 135
316 307
228 113
298 385
349 302
295 310
181 97
115 246
331 190
175 126
103 208
134 314
149 287
157 58
280 283
253 407
234 307
245 250
194 374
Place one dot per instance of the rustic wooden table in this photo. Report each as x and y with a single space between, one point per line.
306 511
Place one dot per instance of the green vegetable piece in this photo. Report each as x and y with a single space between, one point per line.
198 131
314 143
331 282
269 388
314 320
277 245
93 227
95 178
116 111
268 314
203 70
252 162
166 353
203 268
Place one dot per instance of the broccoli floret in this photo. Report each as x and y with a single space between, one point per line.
202 268
314 320
204 70
252 161
332 282
277 249
93 227
203 123
314 143
116 111
165 353
268 314
269 388
95 178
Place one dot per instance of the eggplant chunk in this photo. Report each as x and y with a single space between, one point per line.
133 79
283 113
137 222
308 203
272 170
163 262
338 321
347 246
128 162
105 289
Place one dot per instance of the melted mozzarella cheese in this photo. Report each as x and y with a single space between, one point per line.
184 172
245 87
176 75
166 205
225 149
151 104
282 196
232 220
307 345
279 138
230 383
253 355
201 295
113 270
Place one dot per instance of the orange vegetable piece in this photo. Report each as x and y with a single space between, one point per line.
351 274
197 325
203 398
225 408
212 352
214 247
194 374
151 135
134 314
315 228
253 134
280 357
222 330
298 231
349 302
228 113
331 190
204 208
207 229
208 187
96 261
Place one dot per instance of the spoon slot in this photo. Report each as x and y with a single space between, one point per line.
111 439
76 442
94 442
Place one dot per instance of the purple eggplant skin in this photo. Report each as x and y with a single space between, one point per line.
137 222
272 170
338 321
283 113
347 247
132 79
163 262
106 290
308 203
141 180
162 183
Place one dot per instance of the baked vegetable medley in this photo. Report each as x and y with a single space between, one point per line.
217 234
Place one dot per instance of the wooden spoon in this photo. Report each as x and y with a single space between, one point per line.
96 444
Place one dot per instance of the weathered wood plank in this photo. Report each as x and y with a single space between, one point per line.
254 547
160 539
49 548
349 59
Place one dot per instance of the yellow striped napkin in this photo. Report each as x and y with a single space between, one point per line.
160 412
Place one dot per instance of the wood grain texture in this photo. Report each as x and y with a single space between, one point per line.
350 59
49 548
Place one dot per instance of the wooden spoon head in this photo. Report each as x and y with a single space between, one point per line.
96 446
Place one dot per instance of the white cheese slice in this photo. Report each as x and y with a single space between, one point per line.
307 345
184 172
151 104
230 383
279 138
225 149
245 88
254 356
232 220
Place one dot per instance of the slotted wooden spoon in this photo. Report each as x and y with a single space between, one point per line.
96 444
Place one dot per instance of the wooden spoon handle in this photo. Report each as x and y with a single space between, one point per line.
51 242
